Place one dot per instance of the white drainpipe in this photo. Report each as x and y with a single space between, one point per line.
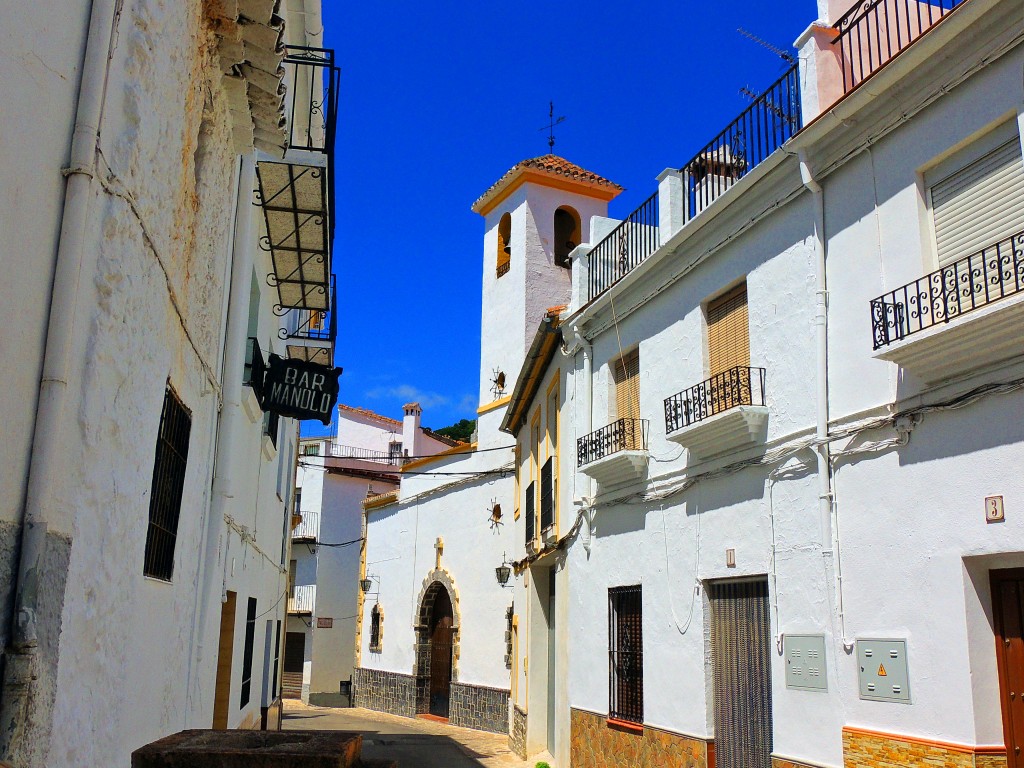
46 464
826 499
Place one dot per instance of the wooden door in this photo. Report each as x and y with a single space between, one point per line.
222 688
440 655
1008 607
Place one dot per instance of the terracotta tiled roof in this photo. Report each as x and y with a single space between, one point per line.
369 414
550 165
449 441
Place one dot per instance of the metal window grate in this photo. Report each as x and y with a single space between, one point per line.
625 654
741 670
547 494
375 628
250 636
531 512
167 487
277 660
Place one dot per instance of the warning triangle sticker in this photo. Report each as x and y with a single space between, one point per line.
881 671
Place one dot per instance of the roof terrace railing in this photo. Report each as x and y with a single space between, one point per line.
874 31
764 126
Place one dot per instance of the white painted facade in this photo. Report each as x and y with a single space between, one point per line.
140 270
902 549
334 477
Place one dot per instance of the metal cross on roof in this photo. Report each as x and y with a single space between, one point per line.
550 127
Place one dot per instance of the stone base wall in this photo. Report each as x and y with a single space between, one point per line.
869 749
596 744
384 691
517 739
480 707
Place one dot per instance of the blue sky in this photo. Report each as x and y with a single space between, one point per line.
437 100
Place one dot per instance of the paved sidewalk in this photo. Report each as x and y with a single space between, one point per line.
413 743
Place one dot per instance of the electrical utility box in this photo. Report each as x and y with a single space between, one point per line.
882 670
805 662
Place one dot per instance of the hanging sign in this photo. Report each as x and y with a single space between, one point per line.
300 390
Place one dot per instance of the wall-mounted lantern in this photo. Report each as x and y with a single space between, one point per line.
503 572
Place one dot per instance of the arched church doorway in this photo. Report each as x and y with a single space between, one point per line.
440 654
437 631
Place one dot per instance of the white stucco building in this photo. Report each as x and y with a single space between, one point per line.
145 508
334 477
763 506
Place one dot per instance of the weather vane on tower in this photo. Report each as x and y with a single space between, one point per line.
550 127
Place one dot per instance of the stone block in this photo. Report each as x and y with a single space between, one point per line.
251 749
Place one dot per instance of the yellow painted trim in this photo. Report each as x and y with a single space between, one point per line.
381 500
493 406
555 387
586 188
469 448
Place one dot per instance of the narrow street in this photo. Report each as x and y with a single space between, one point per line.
411 743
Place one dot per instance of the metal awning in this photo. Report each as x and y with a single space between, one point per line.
295 202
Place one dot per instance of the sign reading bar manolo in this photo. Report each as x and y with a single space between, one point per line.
299 389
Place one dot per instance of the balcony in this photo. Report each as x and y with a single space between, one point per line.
720 414
966 315
615 453
295 191
308 528
874 32
311 333
331 449
302 599
763 127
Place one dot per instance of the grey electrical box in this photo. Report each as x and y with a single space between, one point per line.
882 669
805 662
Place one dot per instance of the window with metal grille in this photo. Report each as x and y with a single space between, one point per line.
277 661
167 487
271 425
250 636
376 628
728 331
625 654
531 513
547 496
977 196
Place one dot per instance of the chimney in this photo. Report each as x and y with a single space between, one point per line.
412 438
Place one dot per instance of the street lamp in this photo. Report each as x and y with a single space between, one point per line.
365 584
503 572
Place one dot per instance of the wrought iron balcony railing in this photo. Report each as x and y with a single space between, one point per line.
737 386
312 324
309 528
302 599
764 126
338 451
947 293
312 83
620 435
874 31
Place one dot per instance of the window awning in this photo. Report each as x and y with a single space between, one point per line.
295 208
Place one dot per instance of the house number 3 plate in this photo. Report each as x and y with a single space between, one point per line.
994 509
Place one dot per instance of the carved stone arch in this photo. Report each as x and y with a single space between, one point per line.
437 581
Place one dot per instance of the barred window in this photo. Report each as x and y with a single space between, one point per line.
250 636
625 654
376 628
167 487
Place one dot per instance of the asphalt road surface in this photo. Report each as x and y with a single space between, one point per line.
411 743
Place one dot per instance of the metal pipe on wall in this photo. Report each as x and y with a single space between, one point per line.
21 674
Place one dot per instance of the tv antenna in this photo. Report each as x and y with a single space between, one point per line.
786 56
550 127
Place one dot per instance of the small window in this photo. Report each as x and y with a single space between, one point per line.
271 426
167 487
504 261
567 235
625 654
394 451
250 636
376 628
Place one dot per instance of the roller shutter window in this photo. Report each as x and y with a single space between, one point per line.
981 202
728 331
626 375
